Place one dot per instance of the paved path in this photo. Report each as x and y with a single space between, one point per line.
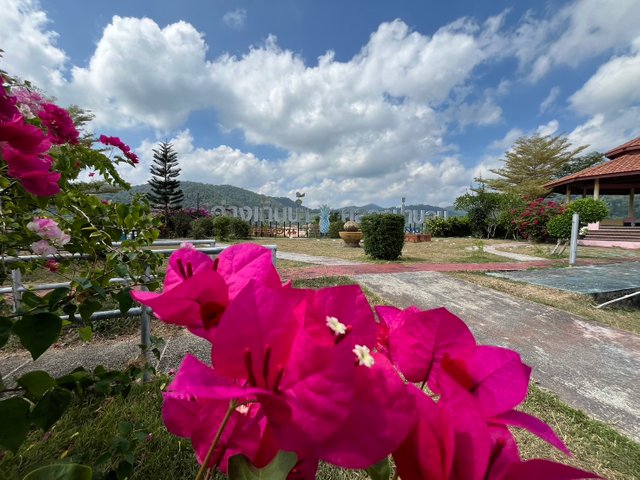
520 257
372 268
302 257
592 368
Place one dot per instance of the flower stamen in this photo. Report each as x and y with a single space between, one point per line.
363 356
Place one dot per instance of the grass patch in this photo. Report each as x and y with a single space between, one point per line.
544 251
596 446
88 428
288 264
580 305
439 250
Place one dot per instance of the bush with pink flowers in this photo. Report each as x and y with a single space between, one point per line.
531 220
312 373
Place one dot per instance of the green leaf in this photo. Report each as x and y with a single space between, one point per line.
122 270
61 471
55 296
124 470
125 428
125 301
31 300
380 471
36 384
37 332
88 308
5 330
86 334
240 468
14 418
51 407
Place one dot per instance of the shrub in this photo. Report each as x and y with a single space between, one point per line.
589 209
202 228
178 223
383 235
532 221
560 226
239 228
335 227
222 227
449 227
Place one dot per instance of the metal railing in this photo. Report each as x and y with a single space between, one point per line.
17 288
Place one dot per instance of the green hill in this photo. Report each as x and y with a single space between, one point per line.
207 196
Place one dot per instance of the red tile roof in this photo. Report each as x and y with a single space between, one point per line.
625 160
632 146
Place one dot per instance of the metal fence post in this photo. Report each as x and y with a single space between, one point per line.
575 227
16 283
145 327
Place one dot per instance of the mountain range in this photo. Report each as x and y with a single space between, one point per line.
204 195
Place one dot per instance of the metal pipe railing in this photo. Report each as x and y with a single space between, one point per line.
17 288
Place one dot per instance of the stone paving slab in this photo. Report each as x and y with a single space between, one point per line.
592 368
590 279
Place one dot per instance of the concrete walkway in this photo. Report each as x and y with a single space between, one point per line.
592 368
304 258
519 257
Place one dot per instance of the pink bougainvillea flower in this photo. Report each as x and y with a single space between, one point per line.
41 184
59 124
116 142
28 101
240 263
52 266
44 248
427 452
496 377
532 424
48 229
537 469
194 406
23 137
498 381
418 340
32 170
8 104
314 355
197 289
450 440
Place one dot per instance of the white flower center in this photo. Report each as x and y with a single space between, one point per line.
336 326
242 409
363 354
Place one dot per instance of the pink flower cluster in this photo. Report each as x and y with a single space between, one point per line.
23 148
116 142
51 235
313 372
59 124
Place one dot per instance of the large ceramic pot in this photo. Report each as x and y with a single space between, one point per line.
351 239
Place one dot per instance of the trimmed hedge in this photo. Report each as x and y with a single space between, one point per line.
450 227
383 235
589 209
335 227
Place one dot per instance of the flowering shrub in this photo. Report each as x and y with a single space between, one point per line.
531 221
311 372
44 208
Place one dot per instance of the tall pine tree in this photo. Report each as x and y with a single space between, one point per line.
165 189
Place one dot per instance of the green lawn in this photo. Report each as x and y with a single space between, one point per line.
88 429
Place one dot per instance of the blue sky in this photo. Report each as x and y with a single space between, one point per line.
349 101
